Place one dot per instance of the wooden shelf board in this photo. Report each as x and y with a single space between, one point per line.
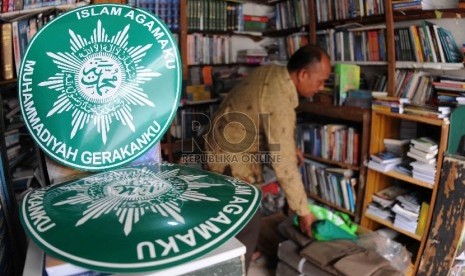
224 64
347 113
362 20
408 179
391 225
427 14
363 63
416 118
332 162
196 103
330 204
429 65
285 32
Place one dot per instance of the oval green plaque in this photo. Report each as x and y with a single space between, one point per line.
139 218
100 85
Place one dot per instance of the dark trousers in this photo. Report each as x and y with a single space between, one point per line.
249 237
249 234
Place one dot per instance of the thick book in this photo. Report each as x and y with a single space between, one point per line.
346 77
386 157
388 195
421 159
425 144
7 68
452 51
381 167
426 155
422 219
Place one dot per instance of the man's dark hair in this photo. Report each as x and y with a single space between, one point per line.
306 55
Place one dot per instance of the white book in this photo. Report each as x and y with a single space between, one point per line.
424 154
381 167
409 215
421 159
424 143
426 178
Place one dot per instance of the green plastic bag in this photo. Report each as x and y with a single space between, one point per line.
331 226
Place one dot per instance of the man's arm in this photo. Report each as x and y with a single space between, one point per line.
280 131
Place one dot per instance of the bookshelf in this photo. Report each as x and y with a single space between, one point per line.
355 117
20 160
388 125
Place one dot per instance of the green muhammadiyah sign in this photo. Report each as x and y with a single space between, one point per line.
100 85
139 218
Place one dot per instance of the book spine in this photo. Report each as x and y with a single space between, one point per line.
7 68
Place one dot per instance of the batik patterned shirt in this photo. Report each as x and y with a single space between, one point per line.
258 115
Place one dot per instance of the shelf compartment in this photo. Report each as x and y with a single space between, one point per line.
391 225
406 178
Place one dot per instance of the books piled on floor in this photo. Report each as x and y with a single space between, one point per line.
384 161
424 150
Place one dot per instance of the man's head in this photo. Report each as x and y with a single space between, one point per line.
309 68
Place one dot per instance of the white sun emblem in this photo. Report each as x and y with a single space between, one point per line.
129 194
100 80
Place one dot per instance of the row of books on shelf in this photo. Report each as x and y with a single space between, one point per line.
167 10
15 37
402 206
416 157
218 15
330 10
426 43
214 15
214 49
336 142
12 5
334 185
289 14
284 47
354 44
414 85
218 49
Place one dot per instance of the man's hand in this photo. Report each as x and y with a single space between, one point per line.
300 157
305 223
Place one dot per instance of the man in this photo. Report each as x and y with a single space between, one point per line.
258 112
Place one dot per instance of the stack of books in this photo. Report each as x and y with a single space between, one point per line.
389 104
383 200
439 112
384 161
407 212
424 150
